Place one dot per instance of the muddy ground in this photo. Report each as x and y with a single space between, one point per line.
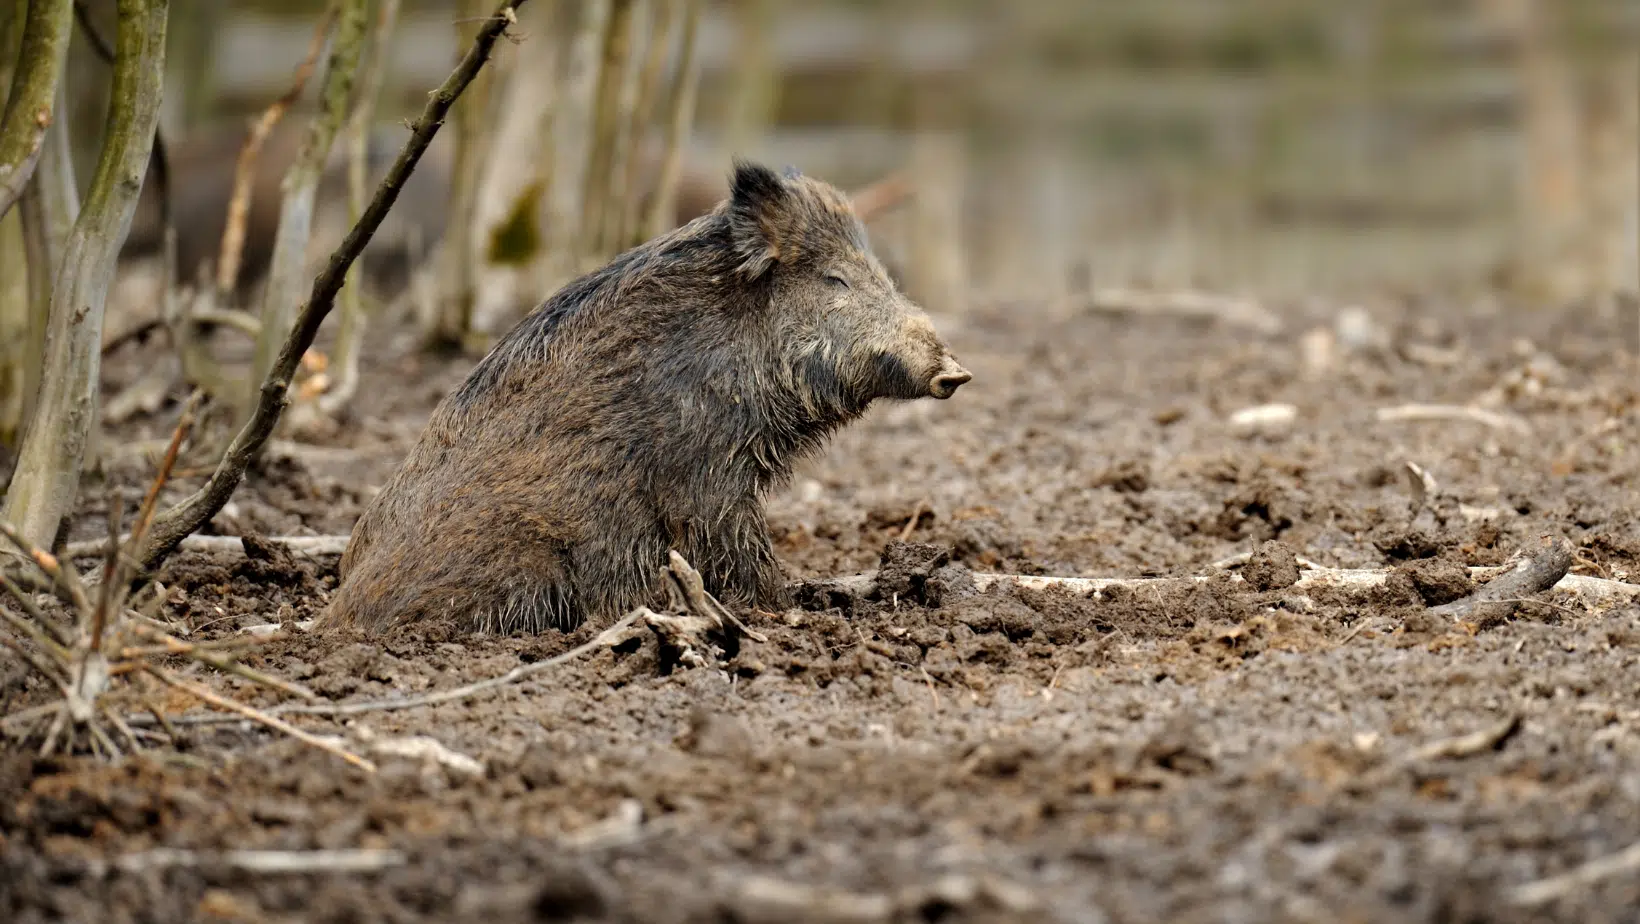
1221 751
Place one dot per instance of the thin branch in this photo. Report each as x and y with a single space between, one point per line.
30 107
54 671
1502 595
625 230
606 111
64 579
300 190
1205 306
47 475
681 108
20 595
350 326
239 205
180 521
170 645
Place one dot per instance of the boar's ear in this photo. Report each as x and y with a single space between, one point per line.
758 202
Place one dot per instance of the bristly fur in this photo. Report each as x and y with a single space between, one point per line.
645 407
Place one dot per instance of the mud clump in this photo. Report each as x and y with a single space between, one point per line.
1438 580
644 408
921 573
1273 567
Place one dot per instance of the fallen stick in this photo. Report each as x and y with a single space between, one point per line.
262 861
1544 891
1442 412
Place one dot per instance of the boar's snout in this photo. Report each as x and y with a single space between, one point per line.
950 376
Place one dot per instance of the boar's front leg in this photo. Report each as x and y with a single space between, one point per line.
735 558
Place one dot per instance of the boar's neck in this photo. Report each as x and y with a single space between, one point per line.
663 369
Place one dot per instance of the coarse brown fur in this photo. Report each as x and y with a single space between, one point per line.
647 406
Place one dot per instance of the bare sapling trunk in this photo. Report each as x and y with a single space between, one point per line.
453 315
176 524
14 302
350 326
47 478
606 126
299 192
190 91
31 107
753 92
14 325
624 152
50 206
680 109
570 143
1550 191
233 232
1612 129
516 179
626 229
939 161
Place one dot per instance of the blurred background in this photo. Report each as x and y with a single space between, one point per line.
1060 146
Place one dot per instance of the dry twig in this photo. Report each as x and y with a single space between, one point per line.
182 520
109 641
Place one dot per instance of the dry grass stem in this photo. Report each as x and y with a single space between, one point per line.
256 715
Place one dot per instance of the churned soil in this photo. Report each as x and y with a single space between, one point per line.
1222 750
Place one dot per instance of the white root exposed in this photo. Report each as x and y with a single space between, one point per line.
307 545
262 861
1591 590
1270 419
1208 306
1544 891
421 747
1594 591
1441 412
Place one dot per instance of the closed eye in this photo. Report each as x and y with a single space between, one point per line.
837 280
